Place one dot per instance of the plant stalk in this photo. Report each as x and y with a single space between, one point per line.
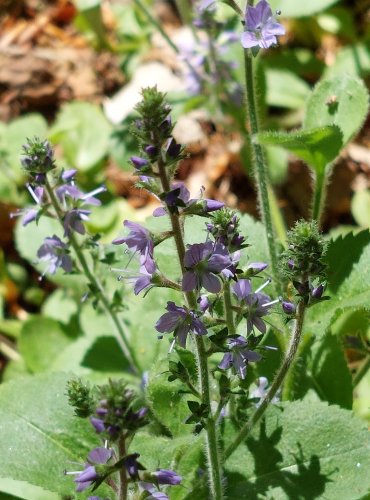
319 197
123 486
229 313
93 279
212 451
259 167
276 384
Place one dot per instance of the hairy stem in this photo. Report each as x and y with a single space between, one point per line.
229 313
276 384
319 197
212 451
259 166
123 482
119 328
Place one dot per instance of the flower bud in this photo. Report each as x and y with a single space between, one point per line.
288 307
37 156
317 292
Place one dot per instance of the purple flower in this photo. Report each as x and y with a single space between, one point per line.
54 251
139 162
257 267
73 221
151 150
318 291
239 356
90 474
288 307
70 191
166 476
261 27
68 175
203 261
132 465
154 493
173 148
98 424
256 305
139 240
181 321
31 214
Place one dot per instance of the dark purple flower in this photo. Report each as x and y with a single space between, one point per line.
288 307
257 267
139 240
181 321
154 493
203 261
166 476
98 424
151 150
318 291
239 356
173 148
54 251
261 27
133 466
139 162
73 221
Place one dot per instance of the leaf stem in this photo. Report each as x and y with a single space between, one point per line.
260 170
119 328
276 384
319 197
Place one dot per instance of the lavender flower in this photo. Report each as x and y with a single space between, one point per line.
181 321
69 175
139 240
239 356
166 476
92 472
54 251
139 162
133 466
31 214
73 221
261 391
203 261
261 27
256 304
317 291
288 307
154 493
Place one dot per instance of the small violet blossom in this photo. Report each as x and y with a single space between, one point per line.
55 252
139 240
181 321
256 304
89 476
31 214
166 476
261 27
202 262
261 391
238 357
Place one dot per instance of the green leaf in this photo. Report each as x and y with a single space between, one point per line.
341 101
285 89
167 403
303 450
348 261
41 340
40 435
360 207
352 59
21 489
292 8
317 147
83 132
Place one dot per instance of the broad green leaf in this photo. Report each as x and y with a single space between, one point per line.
83 131
160 452
285 89
294 8
318 147
40 435
168 405
13 136
313 371
341 101
41 341
360 207
303 450
28 240
60 306
348 261
350 60
12 490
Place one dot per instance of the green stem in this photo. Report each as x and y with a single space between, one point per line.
277 217
276 384
361 372
260 170
212 451
123 486
93 279
229 313
158 27
319 197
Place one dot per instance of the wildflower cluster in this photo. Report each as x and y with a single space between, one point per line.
115 415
